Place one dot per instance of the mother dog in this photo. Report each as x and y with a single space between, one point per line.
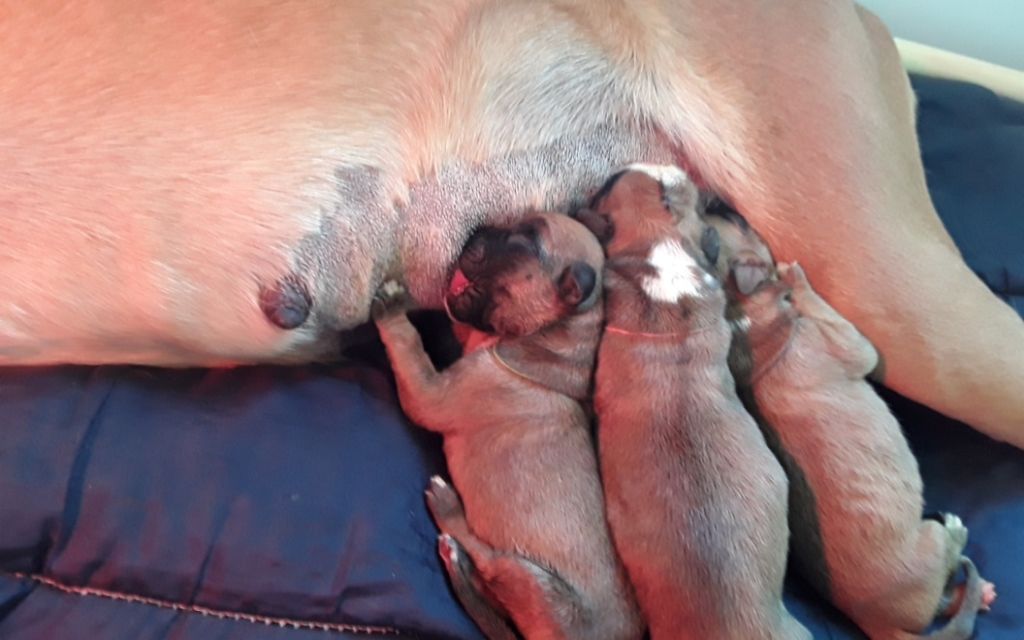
191 182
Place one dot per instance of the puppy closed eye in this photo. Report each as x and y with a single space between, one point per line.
522 241
526 236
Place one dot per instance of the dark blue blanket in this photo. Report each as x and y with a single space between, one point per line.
139 504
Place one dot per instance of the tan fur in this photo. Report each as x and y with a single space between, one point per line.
518 446
856 493
160 163
696 501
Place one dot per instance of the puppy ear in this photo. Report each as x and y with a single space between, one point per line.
599 224
749 272
577 283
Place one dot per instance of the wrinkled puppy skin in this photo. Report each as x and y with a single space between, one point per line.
696 501
524 539
855 503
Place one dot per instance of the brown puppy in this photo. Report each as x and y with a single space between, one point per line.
855 501
516 438
696 502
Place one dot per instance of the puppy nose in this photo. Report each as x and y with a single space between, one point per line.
473 253
519 242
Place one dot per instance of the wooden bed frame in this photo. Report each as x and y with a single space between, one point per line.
931 61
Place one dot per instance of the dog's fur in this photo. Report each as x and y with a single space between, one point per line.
531 542
696 502
184 182
855 490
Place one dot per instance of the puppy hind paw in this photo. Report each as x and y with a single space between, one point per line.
791 273
442 500
954 599
956 528
450 551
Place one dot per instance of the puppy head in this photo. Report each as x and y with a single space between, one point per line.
743 260
642 205
767 307
514 280
650 212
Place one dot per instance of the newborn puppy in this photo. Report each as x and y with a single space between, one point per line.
855 501
531 542
696 501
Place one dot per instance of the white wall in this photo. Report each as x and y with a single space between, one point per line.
991 30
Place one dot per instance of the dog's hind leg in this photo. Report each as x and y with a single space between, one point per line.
541 603
813 141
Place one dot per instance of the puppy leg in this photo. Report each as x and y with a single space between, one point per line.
929 562
469 586
420 386
846 343
466 583
540 602
954 595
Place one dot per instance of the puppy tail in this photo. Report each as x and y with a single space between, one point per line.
961 625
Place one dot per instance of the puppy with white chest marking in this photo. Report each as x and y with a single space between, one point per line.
856 493
696 502
530 542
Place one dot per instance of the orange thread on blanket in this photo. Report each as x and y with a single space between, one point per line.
270 621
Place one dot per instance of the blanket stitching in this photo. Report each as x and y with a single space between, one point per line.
293 623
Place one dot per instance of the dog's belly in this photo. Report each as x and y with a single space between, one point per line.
180 283
144 216
371 235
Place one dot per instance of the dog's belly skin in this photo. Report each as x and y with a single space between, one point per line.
179 290
182 170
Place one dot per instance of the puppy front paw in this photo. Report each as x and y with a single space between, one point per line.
391 299
793 274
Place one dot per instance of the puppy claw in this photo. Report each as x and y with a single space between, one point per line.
443 501
449 550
